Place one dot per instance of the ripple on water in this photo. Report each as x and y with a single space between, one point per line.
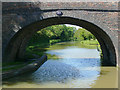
56 71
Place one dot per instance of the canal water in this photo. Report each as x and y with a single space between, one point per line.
71 65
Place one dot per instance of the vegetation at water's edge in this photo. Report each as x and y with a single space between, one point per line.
14 65
90 42
42 39
12 68
54 34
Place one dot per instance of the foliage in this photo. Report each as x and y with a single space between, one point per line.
52 56
14 65
53 41
51 35
61 33
83 34
12 68
90 42
54 34
67 33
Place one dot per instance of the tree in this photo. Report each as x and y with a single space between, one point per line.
83 34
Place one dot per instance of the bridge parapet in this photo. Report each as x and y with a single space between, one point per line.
108 6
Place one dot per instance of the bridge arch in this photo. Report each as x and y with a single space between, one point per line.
16 47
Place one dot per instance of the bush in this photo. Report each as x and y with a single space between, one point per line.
54 41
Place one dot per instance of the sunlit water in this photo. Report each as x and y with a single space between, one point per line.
77 67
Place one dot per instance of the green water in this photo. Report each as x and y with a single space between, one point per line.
72 66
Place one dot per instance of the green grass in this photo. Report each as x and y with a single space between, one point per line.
53 41
14 65
12 68
90 42
11 63
30 53
38 49
54 57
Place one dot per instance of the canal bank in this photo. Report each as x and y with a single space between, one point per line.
27 68
76 66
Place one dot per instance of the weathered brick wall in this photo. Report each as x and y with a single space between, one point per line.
102 14
63 5
119 46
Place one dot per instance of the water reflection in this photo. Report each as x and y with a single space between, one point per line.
76 67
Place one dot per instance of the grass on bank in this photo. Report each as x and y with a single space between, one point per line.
12 68
54 57
90 42
36 50
14 65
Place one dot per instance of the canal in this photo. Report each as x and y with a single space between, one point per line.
70 65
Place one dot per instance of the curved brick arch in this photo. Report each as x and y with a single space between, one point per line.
17 44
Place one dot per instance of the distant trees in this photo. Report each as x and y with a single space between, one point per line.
67 33
83 34
61 33
54 34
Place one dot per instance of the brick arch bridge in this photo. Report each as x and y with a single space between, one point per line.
22 20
